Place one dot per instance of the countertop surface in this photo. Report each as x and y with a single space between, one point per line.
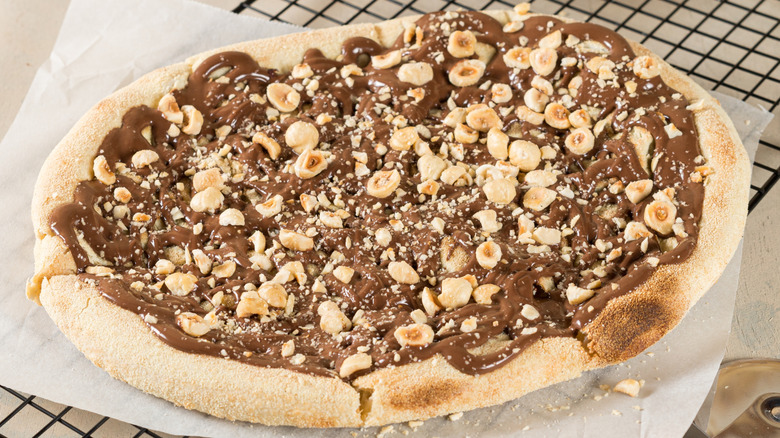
28 29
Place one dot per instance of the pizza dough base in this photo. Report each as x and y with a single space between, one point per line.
118 341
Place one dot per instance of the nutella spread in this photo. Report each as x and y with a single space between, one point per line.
466 192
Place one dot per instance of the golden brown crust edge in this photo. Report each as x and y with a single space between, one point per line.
432 387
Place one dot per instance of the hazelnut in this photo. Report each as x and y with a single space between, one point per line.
636 230
207 178
461 44
301 136
522 8
344 274
181 284
103 171
525 226
270 145
415 73
483 294
551 40
642 141
535 100
636 191
628 386
295 241
574 85
164 267
487 219
331 220
497 144
383 236
350 70
646 67
225 270
209 199
170 109
557 116
518 57
288 348
580 119
525 155
386 60
283 97
403 139
231 216
577 295
513 26
429 301
202 261
501 191
403 273
672 131
141 217
428 187
309 202
273 293
192 324
465 134
547 236
144 158
488 254
332 319
102 271
455 117
594 64
543 85
271 207
310 164
540 178
529 312
301 71
455 292
431 167
251 304
538 198
483 119
660 215
467 72
122 195
418 316
383 183
500 93
526 114
543 60
415 335
580 141
354 363
193 120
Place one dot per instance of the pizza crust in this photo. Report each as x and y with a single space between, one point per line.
118 341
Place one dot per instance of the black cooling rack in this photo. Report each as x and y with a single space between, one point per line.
729 46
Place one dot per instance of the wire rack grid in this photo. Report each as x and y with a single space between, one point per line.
729 46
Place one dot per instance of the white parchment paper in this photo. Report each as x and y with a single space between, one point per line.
105 45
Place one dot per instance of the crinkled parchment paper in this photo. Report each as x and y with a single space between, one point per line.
105 45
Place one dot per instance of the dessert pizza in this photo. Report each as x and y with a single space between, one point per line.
381 223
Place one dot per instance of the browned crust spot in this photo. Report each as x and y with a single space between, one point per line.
428 396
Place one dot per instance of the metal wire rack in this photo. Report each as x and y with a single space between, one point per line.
729 46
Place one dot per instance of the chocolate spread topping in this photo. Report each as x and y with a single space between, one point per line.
590 244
